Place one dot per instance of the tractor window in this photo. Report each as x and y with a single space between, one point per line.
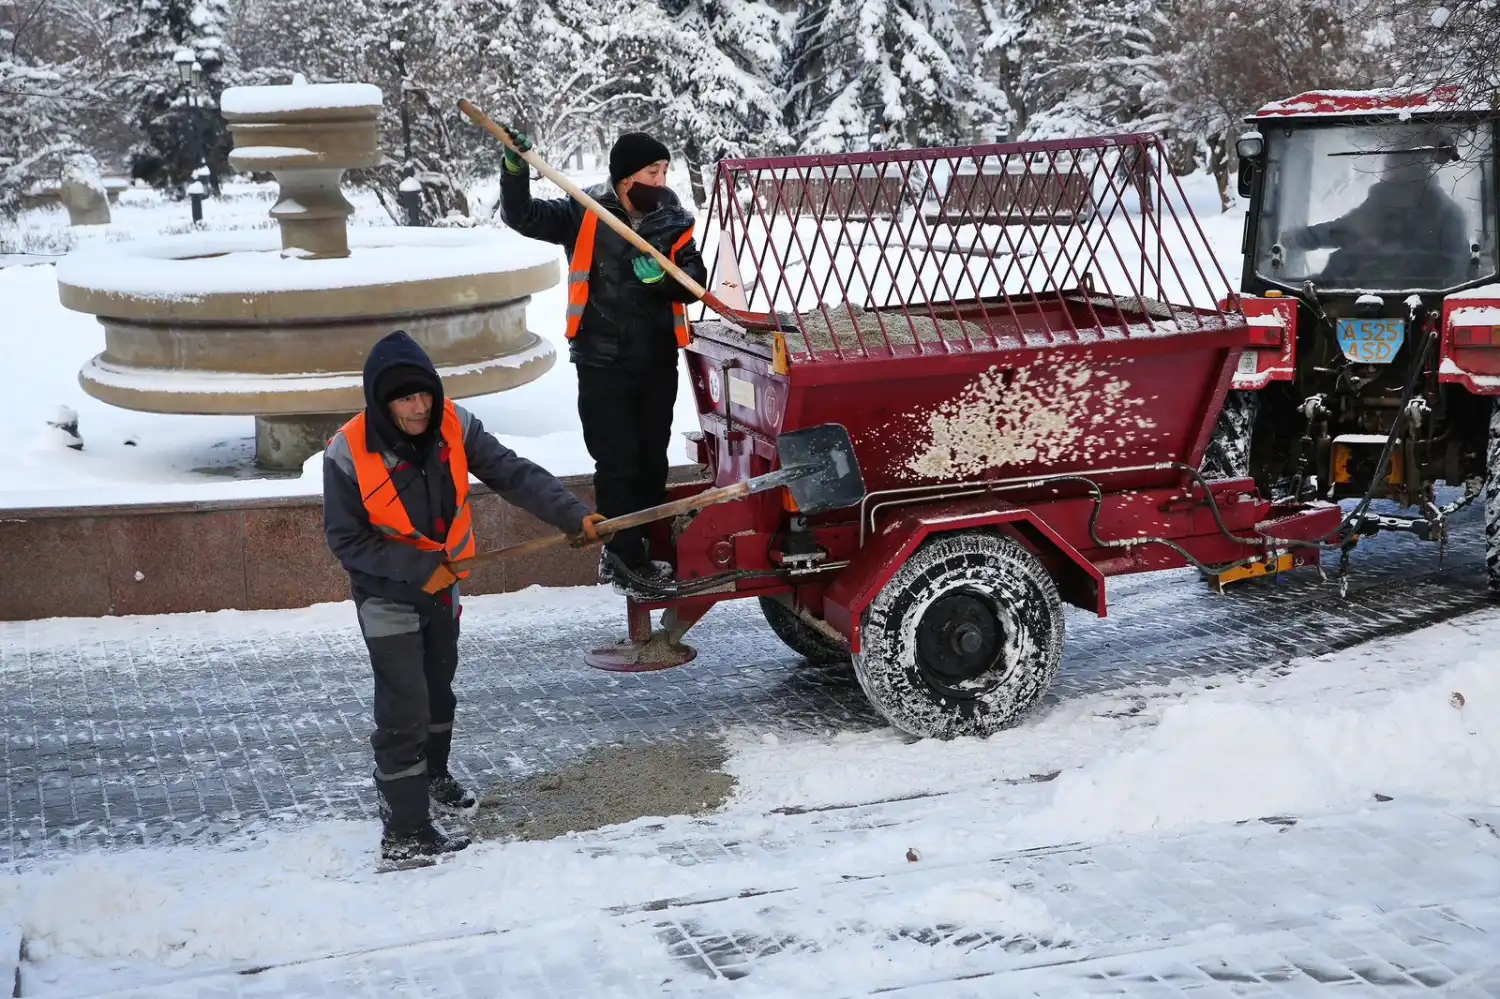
1408 206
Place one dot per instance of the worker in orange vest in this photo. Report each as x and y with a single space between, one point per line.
396 513
626 322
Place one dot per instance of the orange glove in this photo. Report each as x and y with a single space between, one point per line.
589 532
442 577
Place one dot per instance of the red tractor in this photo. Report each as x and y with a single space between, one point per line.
1370 244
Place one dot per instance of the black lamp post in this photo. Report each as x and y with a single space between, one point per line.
190 71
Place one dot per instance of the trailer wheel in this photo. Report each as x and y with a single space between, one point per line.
1228 452
803 639
1492 503
964 639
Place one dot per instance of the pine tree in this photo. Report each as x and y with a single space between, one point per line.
570 73
716 87
177 122
1107 76
880 74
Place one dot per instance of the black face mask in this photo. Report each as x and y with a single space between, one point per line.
645 198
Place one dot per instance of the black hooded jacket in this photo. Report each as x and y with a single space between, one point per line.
627 324
378 566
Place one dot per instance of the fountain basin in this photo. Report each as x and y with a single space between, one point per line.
225 323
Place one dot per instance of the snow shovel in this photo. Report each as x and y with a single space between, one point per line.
754 320
818 469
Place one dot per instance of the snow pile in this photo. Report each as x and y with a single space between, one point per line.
835 886
1330 734
249 263
290 893
1475 315
1214 759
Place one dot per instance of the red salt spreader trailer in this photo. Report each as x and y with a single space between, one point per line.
1027 345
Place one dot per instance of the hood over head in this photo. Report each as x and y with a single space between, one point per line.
396 367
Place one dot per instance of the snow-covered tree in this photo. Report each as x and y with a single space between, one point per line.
156 43
1020 47
879 74
415 53
567 72
1449 42
715 83
1231 56
46 97
1104 72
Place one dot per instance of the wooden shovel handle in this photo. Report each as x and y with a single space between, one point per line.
608 528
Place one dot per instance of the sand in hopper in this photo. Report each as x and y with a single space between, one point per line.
839 324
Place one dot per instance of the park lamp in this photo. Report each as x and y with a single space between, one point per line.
185 60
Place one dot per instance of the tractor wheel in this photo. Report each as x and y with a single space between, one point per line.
963 640
1228 452
1492 503
801 637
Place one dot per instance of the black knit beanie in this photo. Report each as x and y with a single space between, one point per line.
634 151
403 380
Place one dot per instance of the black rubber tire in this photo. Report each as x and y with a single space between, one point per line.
803 639
987 571
1228 452
1492 503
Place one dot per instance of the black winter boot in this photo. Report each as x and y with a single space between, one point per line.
614 572
444 790
403 803
449 795
427 841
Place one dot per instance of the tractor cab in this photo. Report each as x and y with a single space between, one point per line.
1364 206
1370 256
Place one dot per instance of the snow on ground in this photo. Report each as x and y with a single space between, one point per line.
1415 719
131 457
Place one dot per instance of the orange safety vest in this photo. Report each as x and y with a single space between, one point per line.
578 279
388 514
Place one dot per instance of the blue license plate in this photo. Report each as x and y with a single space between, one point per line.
1371 341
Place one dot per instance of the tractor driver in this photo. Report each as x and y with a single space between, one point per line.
1406 233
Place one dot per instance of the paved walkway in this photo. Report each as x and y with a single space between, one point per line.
152 730
1378 903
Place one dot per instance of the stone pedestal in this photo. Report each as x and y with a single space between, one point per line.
284 443
86 204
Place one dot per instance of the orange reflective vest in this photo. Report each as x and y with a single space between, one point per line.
383 504
578 279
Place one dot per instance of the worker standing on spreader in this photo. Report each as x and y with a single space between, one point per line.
396 513
626 322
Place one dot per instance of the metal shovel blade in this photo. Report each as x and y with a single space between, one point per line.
826 473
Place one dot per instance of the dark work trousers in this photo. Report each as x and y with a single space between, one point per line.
414 654
627 427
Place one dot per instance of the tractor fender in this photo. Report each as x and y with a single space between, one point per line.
1078 581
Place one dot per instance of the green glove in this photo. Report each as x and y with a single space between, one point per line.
513 162
648 270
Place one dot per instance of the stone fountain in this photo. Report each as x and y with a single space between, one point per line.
276 323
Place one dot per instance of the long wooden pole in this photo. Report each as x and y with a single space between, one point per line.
608 528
